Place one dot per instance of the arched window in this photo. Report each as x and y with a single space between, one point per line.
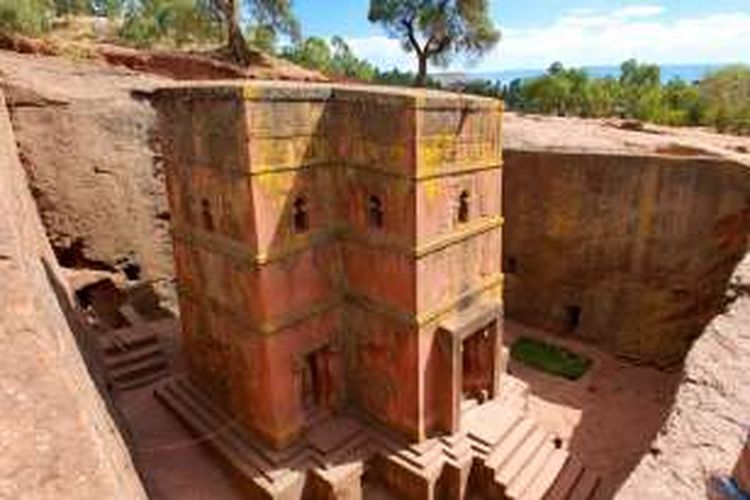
299 214
375 212
208 219
463 207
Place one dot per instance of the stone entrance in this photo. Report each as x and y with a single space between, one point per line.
477 360
472 359
316 381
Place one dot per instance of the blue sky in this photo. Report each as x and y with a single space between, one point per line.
576 32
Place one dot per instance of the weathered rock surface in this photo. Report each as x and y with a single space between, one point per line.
57 439
86 143
708 422
624 238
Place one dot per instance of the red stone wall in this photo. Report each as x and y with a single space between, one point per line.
257 296
644 245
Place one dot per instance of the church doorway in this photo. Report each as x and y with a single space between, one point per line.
478 356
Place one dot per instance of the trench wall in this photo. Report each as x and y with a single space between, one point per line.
57 438
630 252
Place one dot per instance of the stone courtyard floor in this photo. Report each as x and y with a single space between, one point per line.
173 464
609 417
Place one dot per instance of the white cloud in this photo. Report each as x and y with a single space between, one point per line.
644 10
588 37
384 52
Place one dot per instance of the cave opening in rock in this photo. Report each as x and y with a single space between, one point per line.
132 271
104 299
573 317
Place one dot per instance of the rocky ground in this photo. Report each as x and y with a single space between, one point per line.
617 137
710 417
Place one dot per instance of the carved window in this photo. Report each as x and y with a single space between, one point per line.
208 218
375 212
301 219
511 265
463 207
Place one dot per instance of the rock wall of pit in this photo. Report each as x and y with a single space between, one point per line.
86 142
56 435
707 424
633 252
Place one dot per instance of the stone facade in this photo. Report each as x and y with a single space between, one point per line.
336 247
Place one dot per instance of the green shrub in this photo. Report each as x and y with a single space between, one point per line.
725 95
550 358
169 22
29 17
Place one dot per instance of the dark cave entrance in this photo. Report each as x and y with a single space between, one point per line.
572 318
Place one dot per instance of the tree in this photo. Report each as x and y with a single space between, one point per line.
312 52
436 29
274 14
26 16
344 63
172 21
262 37
71 7
641 89
725 96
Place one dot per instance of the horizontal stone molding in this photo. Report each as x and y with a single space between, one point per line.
244 256
277 325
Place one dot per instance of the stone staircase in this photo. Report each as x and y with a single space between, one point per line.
500 453
334 451
516 459
132 357
229 441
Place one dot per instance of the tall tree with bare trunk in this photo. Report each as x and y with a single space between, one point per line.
435 30
272 14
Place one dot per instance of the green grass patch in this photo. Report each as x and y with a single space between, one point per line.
550 358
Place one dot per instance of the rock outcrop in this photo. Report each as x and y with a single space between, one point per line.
86 142
57 439
708 422
624 238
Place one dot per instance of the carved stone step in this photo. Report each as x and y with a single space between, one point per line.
133 355
142 368
141 381
531 470
546 477
523 455
120 341
219 434
491 431
507 447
